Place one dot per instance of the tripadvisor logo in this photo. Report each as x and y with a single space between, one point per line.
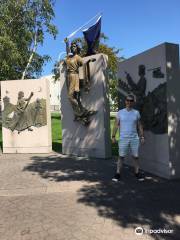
139 231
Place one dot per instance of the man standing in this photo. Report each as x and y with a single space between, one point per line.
128 122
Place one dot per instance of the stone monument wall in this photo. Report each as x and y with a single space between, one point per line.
26 116
155 73
92 140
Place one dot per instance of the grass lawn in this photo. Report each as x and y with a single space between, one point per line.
57 134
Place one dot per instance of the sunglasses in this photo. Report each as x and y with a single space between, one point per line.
129 100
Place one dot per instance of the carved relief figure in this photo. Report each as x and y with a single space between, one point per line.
38 119
22 117
24 114
139 88
152 107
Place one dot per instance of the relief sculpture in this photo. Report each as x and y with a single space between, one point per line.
25 114
152 106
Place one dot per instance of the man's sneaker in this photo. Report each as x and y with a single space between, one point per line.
116 178
139 176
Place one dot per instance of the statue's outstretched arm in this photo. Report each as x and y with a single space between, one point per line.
130 81
30 96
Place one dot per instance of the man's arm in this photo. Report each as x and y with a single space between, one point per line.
115 128
140 131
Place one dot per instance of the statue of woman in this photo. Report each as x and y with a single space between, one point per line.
73 63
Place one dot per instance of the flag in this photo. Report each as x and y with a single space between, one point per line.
92 35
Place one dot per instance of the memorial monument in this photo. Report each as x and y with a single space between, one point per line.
153 78
92 139
84 98
26 118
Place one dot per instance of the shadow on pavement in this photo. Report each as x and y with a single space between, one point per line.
153 203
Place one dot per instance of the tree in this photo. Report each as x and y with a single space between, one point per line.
23 24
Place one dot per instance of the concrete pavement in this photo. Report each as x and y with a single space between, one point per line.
55 197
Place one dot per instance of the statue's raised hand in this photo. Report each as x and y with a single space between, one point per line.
66 40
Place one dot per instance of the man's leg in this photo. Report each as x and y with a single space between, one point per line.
119 164
123 149
136 165
134 145
117 176
137 174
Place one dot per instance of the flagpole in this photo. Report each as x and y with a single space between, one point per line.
77 30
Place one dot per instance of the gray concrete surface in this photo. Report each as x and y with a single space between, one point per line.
54 197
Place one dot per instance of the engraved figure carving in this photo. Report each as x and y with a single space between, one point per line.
152 107
24 114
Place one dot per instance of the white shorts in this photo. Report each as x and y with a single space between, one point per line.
129 143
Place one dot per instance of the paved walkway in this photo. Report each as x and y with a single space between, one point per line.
53 197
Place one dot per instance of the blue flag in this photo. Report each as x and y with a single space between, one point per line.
92 35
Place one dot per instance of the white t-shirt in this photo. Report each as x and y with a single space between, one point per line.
128 122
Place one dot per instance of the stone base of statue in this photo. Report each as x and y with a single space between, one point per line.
26 120
89 134
159 106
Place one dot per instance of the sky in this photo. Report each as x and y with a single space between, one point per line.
131 25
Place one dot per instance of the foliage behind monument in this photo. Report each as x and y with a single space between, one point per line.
23 24
113 59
